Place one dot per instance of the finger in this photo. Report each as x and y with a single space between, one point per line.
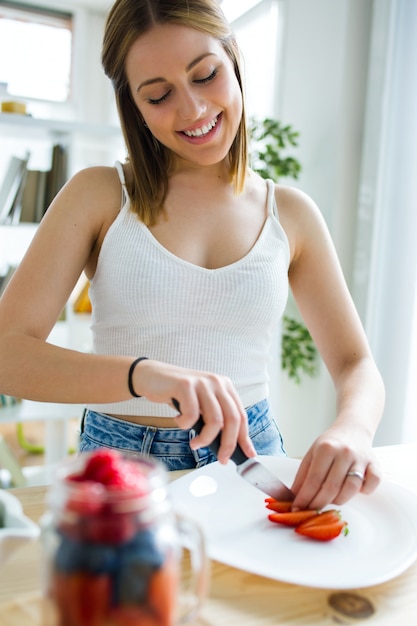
220 416
210 429
324 480
244 439
239 414
301 474
235 431
340 484
358 480
351 485
373 477
222 412
188 409
212 415
311 479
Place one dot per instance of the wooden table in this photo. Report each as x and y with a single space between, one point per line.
238 598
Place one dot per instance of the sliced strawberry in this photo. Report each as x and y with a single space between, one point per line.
324 517
280 506
291 518
323 532
323 526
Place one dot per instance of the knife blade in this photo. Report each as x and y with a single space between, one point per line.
250 469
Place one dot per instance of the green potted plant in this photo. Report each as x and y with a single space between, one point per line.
269 142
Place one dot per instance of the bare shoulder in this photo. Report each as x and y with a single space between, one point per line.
299 215
91 200
95 187
82 212
293 203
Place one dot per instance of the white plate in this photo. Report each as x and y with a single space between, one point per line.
381 544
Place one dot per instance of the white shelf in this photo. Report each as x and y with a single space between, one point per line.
30 411
55 416
12 122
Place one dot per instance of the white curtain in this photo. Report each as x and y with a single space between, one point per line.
385 277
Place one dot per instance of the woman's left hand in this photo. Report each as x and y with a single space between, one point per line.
336 467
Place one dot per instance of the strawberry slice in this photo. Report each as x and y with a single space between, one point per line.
323 517
280 506
323 526
323 532
291 518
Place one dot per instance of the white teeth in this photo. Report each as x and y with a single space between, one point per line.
199 132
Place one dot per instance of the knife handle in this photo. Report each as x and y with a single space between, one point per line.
238 455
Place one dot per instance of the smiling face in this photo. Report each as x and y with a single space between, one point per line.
184 85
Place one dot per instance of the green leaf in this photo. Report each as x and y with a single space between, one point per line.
298 352
269 142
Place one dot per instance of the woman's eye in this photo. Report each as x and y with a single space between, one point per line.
200 81
159 100
207 79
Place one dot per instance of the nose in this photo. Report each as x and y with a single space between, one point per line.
190 105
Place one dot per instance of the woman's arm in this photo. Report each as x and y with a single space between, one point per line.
324 301
62 247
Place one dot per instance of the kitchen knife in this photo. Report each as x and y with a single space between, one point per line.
250 469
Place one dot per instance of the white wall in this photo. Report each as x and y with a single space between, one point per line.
322 93
386 254
320 73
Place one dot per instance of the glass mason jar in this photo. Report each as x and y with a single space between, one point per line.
119 556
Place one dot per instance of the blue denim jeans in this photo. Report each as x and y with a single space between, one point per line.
171 446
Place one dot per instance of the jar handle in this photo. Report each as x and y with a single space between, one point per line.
195 566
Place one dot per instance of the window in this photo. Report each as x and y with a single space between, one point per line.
35 52
233 10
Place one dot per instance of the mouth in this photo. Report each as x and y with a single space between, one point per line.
202 130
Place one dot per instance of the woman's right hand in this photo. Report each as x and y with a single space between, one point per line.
198 393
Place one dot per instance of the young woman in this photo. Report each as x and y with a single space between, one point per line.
190 255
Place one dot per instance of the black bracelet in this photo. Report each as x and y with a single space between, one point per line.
130 376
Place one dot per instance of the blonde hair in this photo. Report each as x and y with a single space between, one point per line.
149 159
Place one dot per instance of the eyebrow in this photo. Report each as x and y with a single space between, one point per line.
160 79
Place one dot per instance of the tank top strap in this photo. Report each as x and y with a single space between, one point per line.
121 173
271 202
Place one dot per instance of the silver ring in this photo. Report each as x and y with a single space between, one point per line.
356 474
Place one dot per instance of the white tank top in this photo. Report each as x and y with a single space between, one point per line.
148 302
